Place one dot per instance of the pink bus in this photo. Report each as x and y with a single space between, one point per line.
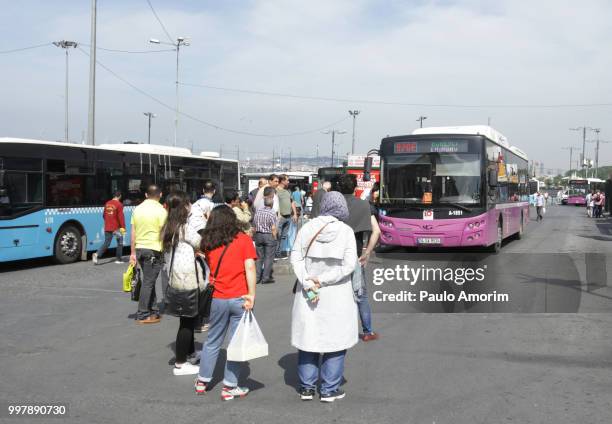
451 187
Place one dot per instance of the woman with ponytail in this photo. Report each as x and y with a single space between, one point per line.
180 242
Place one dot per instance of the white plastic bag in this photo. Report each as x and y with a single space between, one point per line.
248 341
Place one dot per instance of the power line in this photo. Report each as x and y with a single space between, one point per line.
131 51
209 124
25 48
160 22
391 103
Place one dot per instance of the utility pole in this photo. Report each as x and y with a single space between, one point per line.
571 149
150 115
91 117
584 128
598 141
333 134
66 45
238 153
354 114
290 158
317 161
421 119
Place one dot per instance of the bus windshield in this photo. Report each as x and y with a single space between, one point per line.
450 177
578 188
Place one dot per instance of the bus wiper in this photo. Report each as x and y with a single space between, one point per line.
457 205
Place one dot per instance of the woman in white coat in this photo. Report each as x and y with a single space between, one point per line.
324 316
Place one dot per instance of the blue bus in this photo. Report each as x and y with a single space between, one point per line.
52 194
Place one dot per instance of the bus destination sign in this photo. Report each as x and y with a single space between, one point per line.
431 146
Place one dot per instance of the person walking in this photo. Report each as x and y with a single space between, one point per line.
114 226
363 222
288 213
231 257
265 225
185 275
539 202
589 204
324 313
148 219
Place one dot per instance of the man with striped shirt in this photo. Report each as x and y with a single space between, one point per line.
265 238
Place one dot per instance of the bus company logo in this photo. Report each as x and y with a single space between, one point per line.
428 227
428 215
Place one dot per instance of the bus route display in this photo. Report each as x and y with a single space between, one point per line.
431 146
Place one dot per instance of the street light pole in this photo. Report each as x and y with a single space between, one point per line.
180 41
66 45
150 115
354 114
91 117
421 119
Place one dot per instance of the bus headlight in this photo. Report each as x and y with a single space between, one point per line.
387 224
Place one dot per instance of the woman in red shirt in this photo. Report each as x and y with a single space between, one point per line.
231 256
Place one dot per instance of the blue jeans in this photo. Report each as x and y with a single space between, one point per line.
332 370
108 238
363 304
283 231
225 315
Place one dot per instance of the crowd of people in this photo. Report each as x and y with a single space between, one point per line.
595 202
232 247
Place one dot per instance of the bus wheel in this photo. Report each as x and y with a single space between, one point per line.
496 247
520 234
68 245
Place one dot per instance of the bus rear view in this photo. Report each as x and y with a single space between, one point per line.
452 186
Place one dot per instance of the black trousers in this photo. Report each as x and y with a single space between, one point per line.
185 345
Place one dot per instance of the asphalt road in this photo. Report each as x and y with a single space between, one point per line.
67 335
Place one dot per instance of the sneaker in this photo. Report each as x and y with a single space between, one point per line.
307 394
229 393
94 258
202 328
151 319
119 261
330 397
269 281
199 386
186 369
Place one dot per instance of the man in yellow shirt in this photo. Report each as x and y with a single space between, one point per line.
148 219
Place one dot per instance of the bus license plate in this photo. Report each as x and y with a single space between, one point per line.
429 240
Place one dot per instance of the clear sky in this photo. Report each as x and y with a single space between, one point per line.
464 52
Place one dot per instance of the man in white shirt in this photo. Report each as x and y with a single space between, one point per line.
273 181
539 202
200 210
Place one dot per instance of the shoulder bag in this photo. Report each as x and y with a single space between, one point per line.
306 254
181 303
205 296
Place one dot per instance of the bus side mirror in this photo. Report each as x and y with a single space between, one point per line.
492 177
367 168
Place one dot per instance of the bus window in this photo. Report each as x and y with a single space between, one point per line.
21 185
